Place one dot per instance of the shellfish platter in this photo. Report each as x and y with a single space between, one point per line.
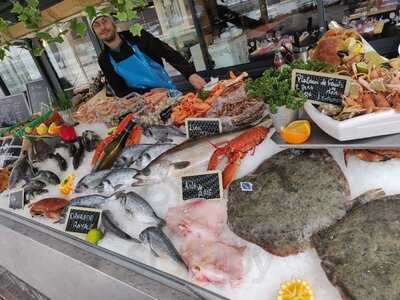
360 127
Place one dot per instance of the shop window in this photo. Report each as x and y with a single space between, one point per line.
74 60
171 21
17 69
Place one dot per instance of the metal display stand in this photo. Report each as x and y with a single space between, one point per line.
62 267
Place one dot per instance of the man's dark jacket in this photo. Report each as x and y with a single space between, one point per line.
149 45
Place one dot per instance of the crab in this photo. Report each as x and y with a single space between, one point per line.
48 207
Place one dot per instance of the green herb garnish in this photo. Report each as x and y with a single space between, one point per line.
274 87
203 95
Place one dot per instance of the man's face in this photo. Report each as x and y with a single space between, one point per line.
105 29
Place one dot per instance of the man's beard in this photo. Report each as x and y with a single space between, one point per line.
111 38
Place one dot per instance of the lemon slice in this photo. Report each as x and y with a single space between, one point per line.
295 290
373 58
296 132
362 67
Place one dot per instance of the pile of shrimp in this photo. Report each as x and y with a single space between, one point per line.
106 109
190 105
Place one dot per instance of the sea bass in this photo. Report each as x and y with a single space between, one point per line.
135 205
160 244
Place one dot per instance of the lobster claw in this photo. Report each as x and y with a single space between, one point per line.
229 173
213 163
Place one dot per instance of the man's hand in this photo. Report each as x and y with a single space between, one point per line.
197 81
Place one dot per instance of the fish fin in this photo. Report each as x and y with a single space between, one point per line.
154 252
162 222
366 197
135 240
60 221
139 182
181 164
118 186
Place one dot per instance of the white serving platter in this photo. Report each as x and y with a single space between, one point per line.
365 126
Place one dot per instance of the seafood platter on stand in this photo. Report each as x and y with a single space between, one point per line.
284 221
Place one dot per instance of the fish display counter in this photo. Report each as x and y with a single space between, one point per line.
191 192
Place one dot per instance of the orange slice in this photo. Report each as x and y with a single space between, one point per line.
296 132
295 290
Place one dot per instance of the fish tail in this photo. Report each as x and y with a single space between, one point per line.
161 223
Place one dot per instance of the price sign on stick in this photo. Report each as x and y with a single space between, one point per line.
202 127
205 185
81 219
321 87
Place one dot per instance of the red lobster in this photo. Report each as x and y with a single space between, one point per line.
235 150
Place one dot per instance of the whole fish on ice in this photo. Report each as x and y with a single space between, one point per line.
91 181
150 154
138 207
23 170
111 225
47 176
130 154
118 178
160 244
162 133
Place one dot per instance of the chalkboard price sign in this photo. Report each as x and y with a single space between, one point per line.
321 87
16 199
14 109
81 219
202 127
40 95
206 186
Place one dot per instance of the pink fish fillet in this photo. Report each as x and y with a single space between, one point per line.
200 218
213 262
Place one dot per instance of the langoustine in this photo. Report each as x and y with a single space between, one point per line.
372 155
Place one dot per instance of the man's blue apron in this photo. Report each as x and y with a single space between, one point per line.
141 72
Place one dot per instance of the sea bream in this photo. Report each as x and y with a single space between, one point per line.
160 244
47 177
91 181
118 178
139 208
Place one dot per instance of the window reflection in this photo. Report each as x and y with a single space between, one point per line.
18 69
74 60
171 21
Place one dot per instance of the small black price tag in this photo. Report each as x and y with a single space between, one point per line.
205 186
203 127
16 199
321 87
166 114
81 219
